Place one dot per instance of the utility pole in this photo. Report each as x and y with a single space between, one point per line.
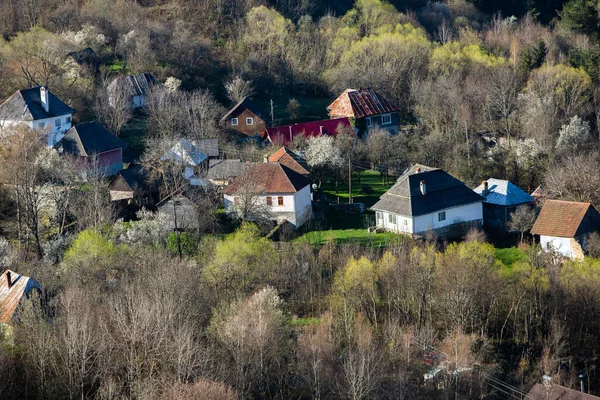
349 181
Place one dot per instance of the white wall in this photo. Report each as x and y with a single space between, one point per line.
303 206
424 223
558 244
53 132
465 213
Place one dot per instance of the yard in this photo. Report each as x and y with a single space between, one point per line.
369 190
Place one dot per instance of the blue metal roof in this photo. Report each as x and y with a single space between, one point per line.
503 193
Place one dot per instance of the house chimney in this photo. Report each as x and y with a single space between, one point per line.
485 188
423 188
265 159
8 279
547 381
418 170
321 130
44 98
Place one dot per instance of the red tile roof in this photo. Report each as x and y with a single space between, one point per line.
290 159
285 134
270 178
560 218
360 103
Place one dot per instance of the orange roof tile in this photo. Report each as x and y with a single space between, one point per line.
271 178
10 297
560 218
289 159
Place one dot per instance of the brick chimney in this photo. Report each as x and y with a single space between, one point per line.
44 98
485 188
8 279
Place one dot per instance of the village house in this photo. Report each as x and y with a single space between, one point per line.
185 153
179 213
564 226
222 172
284 135
133 89
501 199
552 391
208 146
245 118
38 109
367 108
96 147
428 199
12 289
284 193
133 187
293 161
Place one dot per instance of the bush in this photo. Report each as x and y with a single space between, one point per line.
189 243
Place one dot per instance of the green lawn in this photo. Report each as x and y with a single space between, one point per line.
356 236
508 257
134 133
369 190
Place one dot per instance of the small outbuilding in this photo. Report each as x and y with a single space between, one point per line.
245 118
564 227
501 199
13 287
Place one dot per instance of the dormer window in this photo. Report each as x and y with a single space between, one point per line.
234 121
386 119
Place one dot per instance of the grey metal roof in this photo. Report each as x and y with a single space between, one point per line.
88 138
26 105
134 85
442 191
210 147
222 170
186 153
503 193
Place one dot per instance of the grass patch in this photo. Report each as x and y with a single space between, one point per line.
369 190
355 236
303 321
134 133
508 257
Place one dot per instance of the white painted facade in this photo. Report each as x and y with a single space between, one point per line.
53 128
296 208
567 247
428 222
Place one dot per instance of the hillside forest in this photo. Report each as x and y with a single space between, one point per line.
131 309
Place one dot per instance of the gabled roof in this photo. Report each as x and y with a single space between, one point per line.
360 103
210 147
26 105
10 297
560 218
130 179
134 85
538 192
503 193
271 178
248 104
557 392
442 191
286 134
88 138
186 153
222 170
290 159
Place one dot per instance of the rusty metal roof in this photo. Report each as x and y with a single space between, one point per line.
272 178
11 296
560 218
360 103
290 159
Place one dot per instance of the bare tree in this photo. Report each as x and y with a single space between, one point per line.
575 179
250 204
237 88
522 219
113 107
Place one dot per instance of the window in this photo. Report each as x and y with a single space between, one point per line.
68 120
57 122
42 125
269 201
386 119
234 121
249 121
392 219
177 202
280 201
379 215
405 222
368 122
442 216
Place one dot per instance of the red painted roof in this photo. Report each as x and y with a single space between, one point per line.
360 103
285 134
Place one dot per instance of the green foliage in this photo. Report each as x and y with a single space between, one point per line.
189 243
588 60
240 261
456 57
581 16
534 56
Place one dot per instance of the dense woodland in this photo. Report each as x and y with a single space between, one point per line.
130 310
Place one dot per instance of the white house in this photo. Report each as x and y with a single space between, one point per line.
427 199
282 192
563 227
185 153
38 109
